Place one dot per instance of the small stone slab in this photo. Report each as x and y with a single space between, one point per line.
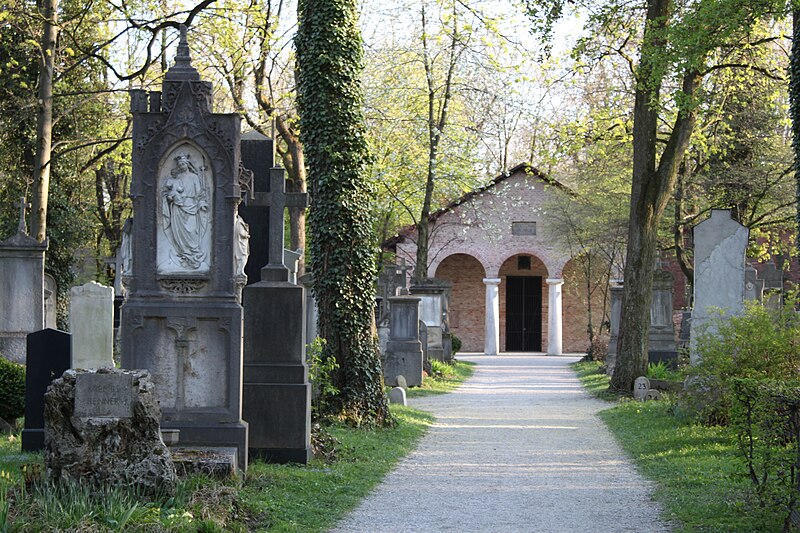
401 382
398 395
217 462
653 394
104 396
640 388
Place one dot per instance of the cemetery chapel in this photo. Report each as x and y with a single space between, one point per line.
495 245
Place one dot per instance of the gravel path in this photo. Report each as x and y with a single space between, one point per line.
518 448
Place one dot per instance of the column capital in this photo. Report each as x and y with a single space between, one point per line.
554 281
492 281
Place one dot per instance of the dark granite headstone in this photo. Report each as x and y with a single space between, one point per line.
49 356
257 157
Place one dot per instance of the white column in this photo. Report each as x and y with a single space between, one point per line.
492 338
554 333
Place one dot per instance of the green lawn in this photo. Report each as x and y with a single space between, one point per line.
701 479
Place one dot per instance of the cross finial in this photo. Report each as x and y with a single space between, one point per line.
183 69
22 229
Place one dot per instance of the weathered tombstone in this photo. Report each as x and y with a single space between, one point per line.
753 287
773 286
182 319
719 258
21 290
401 381
91 321
652 394
685 331
433 307
661 338
48 357
403 350
422 329
616 290
641 386
307 281
102 428
276 399
398 395
391 281
50 302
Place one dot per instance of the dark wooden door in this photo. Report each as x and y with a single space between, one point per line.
524 314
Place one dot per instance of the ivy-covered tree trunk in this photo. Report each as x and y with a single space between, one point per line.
794 98
329 62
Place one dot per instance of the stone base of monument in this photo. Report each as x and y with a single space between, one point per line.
276 393
403 358
218 462
670 358
102 428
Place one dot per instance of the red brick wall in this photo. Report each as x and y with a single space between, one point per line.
574 294
467 299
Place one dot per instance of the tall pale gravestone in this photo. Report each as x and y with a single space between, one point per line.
616 290
21 290
661 346
433 295
91 323
719 271
182 318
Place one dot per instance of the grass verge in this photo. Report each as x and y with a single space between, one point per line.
702 482
271 498
446 378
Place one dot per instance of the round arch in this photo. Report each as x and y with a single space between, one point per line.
466 309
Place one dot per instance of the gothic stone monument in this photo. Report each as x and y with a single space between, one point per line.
182 319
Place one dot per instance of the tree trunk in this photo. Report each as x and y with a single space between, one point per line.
44 121
330 62
794 98
650 190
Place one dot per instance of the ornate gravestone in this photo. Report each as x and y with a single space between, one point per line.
182 319
434 294
719 260
617 289
22 276
276 393
403 355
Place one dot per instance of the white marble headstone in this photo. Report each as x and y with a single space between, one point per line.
719 268
91 320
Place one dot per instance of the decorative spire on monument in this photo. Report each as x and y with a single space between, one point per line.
22 229
182 69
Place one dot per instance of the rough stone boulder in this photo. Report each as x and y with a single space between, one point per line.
102 427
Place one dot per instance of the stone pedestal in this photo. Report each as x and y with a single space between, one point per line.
616 314
554 321
433 308
719 269
91 323
492 330
276 401
661 339
403 350
307 281
21 293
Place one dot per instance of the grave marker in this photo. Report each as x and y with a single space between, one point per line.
641 386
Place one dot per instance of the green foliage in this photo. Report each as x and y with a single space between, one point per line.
456 343
445 379
330 62
758 344
12 390
662 370
594 379
321 367
766 418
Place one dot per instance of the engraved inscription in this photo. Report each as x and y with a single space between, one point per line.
104 396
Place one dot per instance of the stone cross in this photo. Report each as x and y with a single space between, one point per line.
277 199
22 229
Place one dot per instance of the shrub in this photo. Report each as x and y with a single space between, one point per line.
320 374
758 344
766 417
598 349
456 343
12 390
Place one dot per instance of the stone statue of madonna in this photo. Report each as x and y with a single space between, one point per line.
184 210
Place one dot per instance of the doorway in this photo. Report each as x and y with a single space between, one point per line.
524 313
